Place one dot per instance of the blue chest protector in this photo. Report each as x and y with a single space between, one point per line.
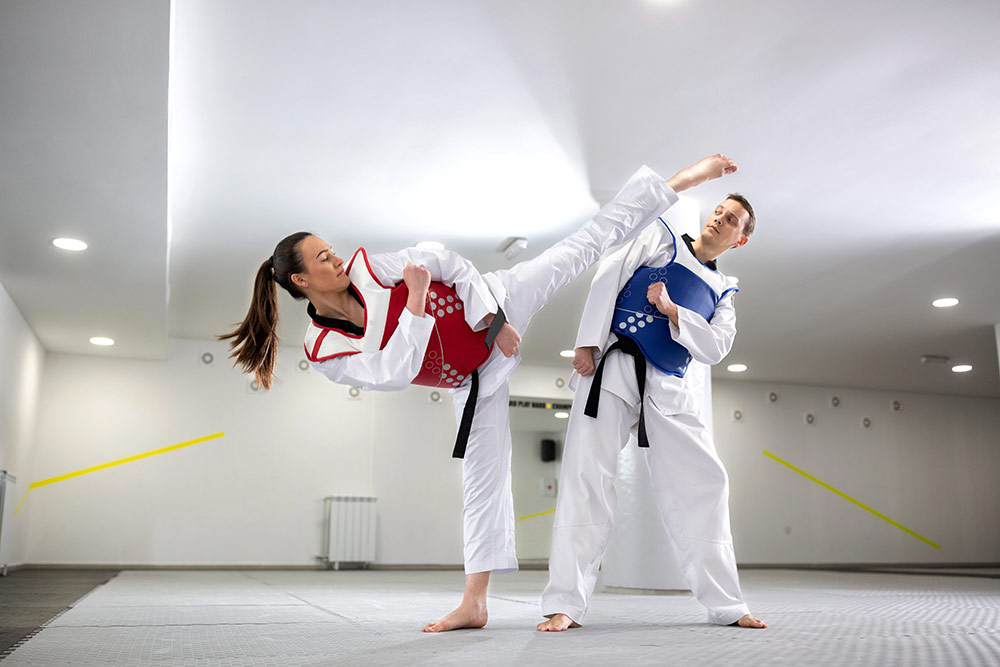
644 332
634 317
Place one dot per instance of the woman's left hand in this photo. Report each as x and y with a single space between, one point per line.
508 340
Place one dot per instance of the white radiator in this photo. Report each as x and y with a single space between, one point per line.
348 530
6 513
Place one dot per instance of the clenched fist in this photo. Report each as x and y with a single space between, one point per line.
508 340
416 278
658 296
583 360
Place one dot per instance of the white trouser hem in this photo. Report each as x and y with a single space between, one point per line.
728 615
492 565
575 615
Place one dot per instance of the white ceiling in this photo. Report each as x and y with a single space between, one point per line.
867 135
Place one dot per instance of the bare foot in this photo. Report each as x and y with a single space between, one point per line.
466 616
749 621
705 169
558 623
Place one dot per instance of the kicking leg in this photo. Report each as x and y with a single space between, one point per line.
531 284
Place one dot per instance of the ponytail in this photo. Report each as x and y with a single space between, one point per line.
254 342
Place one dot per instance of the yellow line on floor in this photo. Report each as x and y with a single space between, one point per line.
103 466
532 516
847 497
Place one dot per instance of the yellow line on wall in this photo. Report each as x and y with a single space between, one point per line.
532 516
103 466
847 497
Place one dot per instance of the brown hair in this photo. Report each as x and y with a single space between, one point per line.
742 201
254 342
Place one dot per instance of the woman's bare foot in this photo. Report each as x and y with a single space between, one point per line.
749 621
471 613
558 623
466 616
705 169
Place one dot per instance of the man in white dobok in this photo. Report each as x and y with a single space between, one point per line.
654 305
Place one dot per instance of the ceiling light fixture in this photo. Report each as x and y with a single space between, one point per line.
934 359
946 302
568 354
69 244
101 340
561 415
515 247
736 368
961 368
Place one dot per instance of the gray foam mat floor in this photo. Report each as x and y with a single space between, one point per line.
374 618
30 598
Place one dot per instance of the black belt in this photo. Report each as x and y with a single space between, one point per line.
465 426
629 347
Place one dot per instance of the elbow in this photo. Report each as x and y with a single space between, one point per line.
716 355
709 357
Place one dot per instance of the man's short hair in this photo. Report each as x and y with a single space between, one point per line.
742 201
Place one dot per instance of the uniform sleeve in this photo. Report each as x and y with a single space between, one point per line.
708 342
390 369
449 268
612 274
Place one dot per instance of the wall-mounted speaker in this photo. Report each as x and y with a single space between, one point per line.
548 450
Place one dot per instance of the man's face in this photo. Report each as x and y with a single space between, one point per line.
724 227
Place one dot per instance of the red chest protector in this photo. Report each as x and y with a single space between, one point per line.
453 351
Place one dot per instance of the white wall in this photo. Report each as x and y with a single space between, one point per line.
21 361
254 496
932 467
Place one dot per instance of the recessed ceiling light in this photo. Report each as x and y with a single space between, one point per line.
736 368
947 302
569 354
69 244
561 415
101 340
961 368
430 245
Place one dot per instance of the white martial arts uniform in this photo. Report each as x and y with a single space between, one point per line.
521 291
689 481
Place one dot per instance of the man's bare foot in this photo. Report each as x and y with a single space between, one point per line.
466 616
558 623
705 169
749 621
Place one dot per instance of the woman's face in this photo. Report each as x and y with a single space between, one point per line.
324 272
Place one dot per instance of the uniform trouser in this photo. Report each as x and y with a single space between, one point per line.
691 489
488 507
